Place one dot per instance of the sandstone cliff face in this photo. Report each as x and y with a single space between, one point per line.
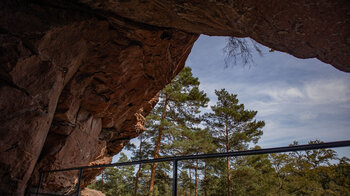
80 92
104 104
78 78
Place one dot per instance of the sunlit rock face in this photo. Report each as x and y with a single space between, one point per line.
91 192
78 78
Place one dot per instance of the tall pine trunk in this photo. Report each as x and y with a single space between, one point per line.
157 147
139 170
228 163
196 179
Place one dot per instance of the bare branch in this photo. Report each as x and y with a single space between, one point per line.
239 49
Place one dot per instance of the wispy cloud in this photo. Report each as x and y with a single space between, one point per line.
328 91
298 99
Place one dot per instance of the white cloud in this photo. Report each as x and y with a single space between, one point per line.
326 91
305 100
322 91
299 99
279 93
302 105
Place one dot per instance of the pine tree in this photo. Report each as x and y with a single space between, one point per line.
191 141
233 126
254 175
118 180
179 105
140 153
138 173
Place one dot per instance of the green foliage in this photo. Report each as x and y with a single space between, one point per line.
229 127
311 173
230 119
253 175
176 114
292 173
116 180
184 100
233 127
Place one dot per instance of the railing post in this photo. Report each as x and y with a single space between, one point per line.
175 177
175 160
39 186
79 179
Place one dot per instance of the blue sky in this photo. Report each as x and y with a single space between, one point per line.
299 99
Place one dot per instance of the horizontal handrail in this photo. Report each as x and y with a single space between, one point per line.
175 159
218 155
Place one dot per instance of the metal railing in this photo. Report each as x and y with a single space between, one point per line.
191 157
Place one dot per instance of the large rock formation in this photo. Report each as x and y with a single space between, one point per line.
76 88
303 28
78 77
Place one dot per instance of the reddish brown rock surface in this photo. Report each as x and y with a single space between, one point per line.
90 192
303 28
76 80
79 92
